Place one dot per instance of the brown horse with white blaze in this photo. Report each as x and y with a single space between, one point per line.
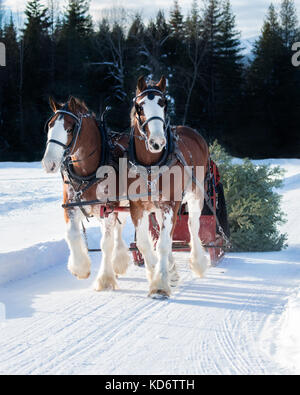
76 147
151 137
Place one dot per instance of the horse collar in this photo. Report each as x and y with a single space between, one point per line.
167 152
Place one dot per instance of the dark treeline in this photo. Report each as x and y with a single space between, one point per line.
252 106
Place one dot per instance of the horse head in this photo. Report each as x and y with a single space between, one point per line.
150 111
63 129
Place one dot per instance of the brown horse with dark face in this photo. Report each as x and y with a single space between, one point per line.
77 148
153 143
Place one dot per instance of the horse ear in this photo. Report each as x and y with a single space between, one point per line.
141 85
53 104
162 84
73 104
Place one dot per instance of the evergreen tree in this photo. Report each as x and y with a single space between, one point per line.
192 25
98 82
193 76
155 47
229 71
176 60
272 90
253 205
229 45
77 21
176 20
211 34
74 47
9 131
289 23
268 52
34 71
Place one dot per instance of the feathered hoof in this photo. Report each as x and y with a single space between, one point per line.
105 283
81 272
81 276
121 263
159 294
199 266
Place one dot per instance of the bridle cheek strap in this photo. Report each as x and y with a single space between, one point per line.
78 120
142 127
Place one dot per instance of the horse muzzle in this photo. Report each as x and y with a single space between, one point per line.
157 145
50 167
51 163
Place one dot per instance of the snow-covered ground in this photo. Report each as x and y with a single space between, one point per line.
242 318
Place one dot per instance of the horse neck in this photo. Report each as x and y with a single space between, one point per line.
88 149
144 156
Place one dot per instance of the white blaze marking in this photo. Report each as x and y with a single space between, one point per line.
54 152
153 109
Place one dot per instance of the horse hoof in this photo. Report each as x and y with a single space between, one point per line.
121 263
83 277
159 295
80 276
80 270
105 284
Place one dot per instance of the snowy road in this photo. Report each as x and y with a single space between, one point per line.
231 322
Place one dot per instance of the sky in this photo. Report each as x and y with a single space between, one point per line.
249 13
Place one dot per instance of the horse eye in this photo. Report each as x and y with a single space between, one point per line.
161 102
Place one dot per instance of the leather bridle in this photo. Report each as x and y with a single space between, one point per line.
150 91
68 151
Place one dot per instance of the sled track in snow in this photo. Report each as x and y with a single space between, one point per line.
59 325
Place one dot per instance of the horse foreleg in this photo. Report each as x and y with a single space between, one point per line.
79 261
120 257
159 286
106 278
199 259
145 244
173 273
